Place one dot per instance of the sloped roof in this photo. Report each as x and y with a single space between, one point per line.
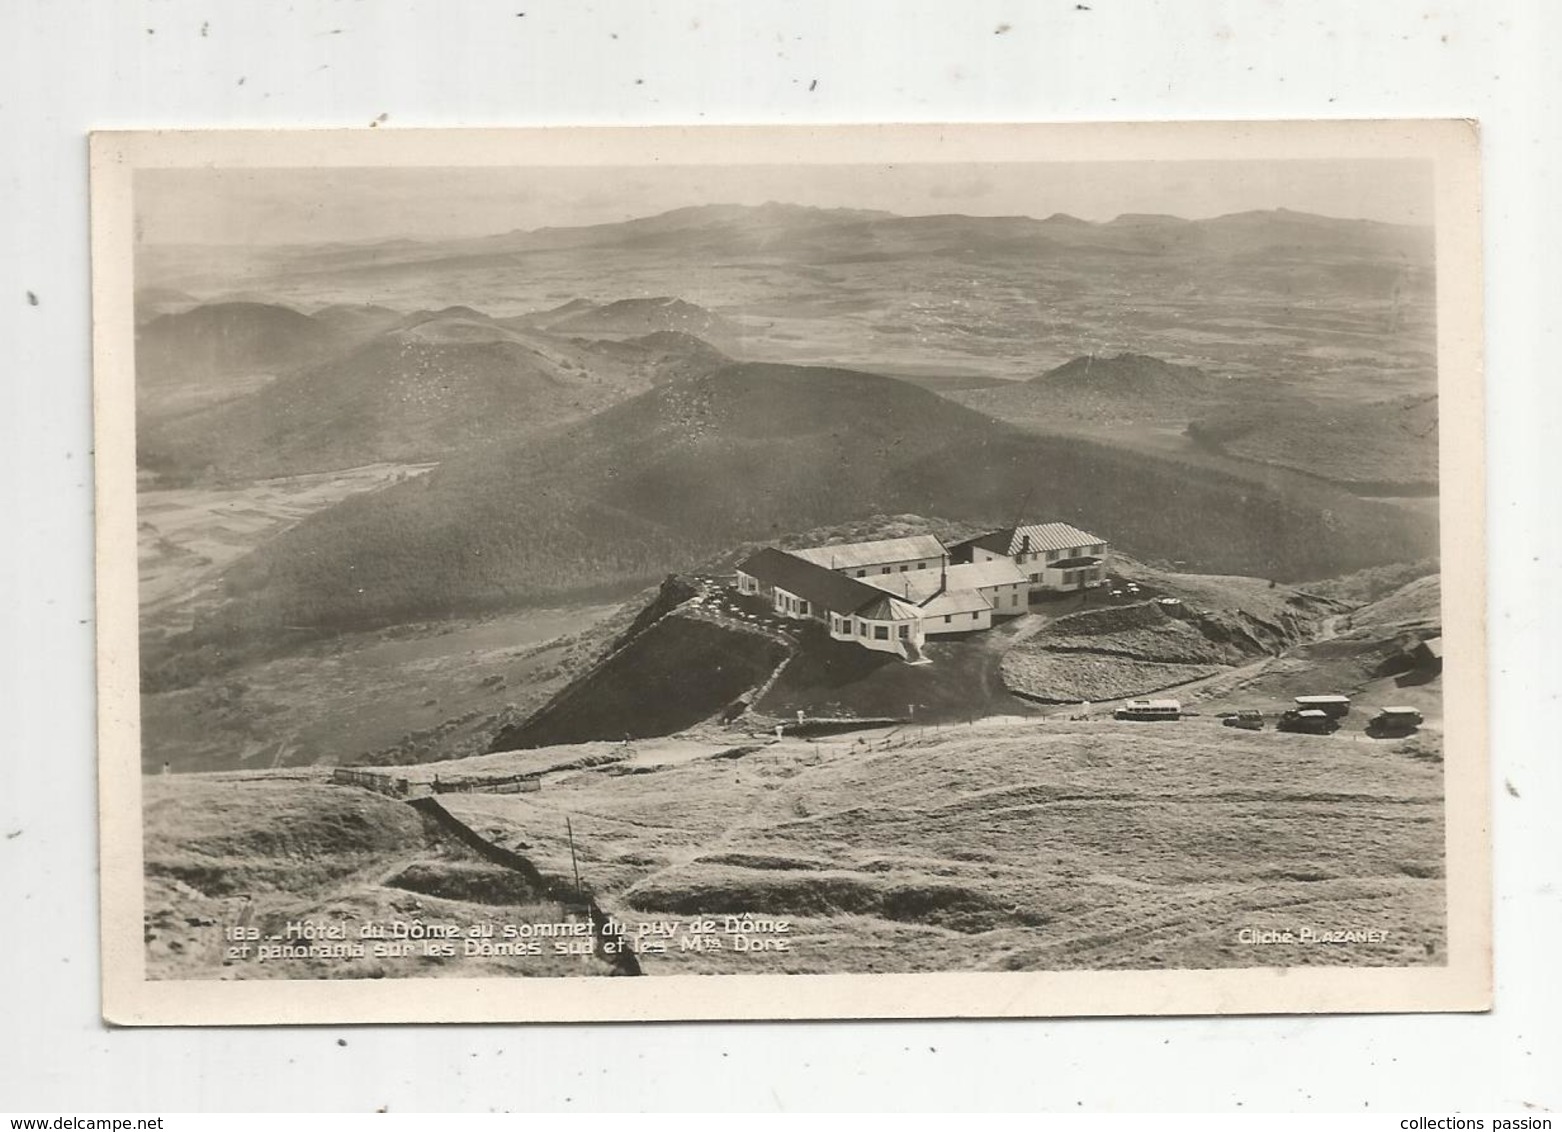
886 607
920 585
975 575
847 555
913 586
1043 536
817 584
955 601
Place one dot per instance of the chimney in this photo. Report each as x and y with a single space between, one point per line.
943 582
1024 547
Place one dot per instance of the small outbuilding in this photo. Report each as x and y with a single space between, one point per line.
1428 656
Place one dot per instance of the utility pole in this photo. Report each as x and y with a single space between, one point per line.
1024 501
573 863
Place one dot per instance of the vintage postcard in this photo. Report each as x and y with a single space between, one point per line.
791 572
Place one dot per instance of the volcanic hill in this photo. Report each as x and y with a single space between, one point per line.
220 338
680 473
437 383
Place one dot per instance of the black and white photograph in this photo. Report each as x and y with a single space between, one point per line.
791 572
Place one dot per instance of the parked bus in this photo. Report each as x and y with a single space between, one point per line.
1149 710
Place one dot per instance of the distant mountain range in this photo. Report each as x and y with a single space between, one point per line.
1291 298
825 235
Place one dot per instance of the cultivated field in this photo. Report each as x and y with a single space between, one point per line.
186 537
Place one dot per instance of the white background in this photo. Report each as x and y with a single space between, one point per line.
68 66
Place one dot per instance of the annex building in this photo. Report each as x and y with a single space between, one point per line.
1055 556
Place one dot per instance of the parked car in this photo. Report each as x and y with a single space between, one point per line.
1247 719
1307 721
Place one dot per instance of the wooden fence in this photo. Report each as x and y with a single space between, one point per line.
397 787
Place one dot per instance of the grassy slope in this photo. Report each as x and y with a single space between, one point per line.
1057 845
831 678
1126 646
1364 658
1387 446
675 674
221 851
411 695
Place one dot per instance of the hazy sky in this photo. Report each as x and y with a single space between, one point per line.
278 206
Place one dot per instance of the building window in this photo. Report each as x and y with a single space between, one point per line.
1052 556
881 632
803 607
977 616
862 573
1035 577
862 630
1014 599
904 568
948 617
884 570
905 630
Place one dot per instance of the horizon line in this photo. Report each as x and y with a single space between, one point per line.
392 239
